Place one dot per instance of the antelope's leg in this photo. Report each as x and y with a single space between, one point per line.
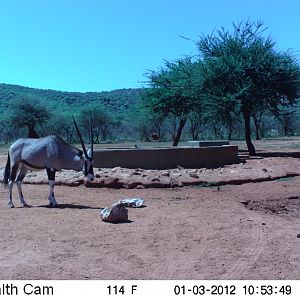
19 180
11 180
51 178
10 187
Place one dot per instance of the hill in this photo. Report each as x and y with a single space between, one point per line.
116 101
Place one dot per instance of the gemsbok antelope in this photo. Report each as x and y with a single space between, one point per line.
51 153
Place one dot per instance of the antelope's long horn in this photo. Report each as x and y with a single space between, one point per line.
80 137
92 139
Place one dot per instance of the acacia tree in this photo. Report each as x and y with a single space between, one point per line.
245 67
62 125
221 113
29 113
286 119
196 121
102 121
147 122
172 92
257 117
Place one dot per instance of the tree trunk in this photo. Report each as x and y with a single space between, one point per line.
215 131
194 129
257 125
263 130
257 136
32 133
179 131
229 126
196 135
194 132
250 146
229 132
285 129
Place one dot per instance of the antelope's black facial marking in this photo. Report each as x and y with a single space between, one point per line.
88 169
91 169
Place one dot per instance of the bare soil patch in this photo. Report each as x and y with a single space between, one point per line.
289 207
244 226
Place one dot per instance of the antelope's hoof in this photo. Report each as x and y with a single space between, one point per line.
11 206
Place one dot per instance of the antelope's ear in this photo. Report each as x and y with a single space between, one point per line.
89 152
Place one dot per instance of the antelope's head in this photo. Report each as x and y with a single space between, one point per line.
88 160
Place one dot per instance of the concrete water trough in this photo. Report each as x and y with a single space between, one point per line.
166 158
207 143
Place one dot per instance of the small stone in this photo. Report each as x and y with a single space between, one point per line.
298 236
176 175
136 173
194 175
140 187
155 179
116 169
165 173
263 223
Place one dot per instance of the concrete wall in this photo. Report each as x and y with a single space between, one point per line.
166 158
207 143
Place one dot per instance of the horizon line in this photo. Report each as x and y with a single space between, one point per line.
68 91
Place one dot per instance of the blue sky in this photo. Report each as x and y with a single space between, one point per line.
101 45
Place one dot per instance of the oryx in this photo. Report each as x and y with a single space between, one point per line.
51 153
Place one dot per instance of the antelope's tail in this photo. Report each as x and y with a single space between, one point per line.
7 170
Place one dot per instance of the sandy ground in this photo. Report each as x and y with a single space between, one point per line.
250 230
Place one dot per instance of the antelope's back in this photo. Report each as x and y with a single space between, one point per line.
40 153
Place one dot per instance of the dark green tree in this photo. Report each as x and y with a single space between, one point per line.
146 122
197 124
286 119
243 71
172 92
101 119
61 125
257 117
28 113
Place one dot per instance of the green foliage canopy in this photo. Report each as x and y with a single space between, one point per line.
28 113
101 120
173 91
242 72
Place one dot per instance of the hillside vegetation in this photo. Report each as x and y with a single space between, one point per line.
128 121
111 113
116 101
